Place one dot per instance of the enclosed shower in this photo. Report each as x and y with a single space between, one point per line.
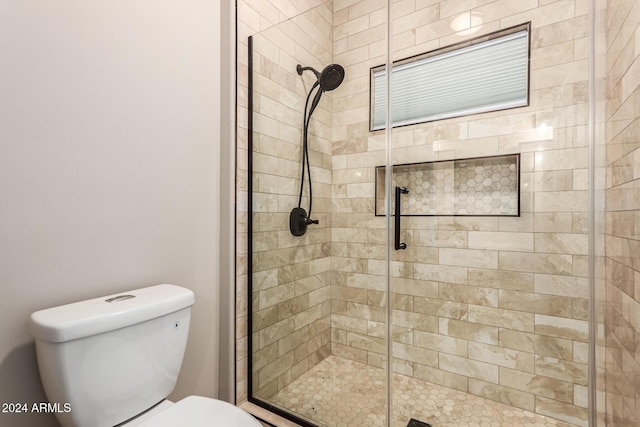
421 222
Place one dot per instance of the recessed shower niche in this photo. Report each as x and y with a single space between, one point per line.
481 186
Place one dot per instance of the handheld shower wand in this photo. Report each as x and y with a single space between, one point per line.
329 79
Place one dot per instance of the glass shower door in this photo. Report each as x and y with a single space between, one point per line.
318 277
446 279
489 297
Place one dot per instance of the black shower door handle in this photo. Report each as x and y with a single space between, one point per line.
399 191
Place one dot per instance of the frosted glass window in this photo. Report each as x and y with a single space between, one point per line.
486 74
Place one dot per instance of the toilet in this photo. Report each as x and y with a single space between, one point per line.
112 361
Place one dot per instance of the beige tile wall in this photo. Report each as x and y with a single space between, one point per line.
493 306
622 278
291 275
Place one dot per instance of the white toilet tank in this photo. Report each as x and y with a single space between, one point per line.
112 358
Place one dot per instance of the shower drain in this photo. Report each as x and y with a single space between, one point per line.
416 423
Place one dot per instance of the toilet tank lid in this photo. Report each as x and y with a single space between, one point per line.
95 316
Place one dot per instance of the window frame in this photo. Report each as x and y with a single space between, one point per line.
442 51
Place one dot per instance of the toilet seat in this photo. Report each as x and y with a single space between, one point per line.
198 411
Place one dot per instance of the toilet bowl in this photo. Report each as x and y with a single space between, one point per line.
194 411
112 359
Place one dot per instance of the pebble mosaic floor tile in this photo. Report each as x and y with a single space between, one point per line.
341 393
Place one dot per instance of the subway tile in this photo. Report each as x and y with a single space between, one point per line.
562 411
418 321
501 356
499 393
275 332
349 323
562 370
500 240
569 286
470 368
536 263
441 308
440 238
469 294
536 303
505 279
558 348
415 354
537 385
441 377
560 201
293 306
510 319
469 331
366 342
292 341
555 222
561 327
468 257
450 274
419 288
440 343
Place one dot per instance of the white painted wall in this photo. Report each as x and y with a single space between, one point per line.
109 169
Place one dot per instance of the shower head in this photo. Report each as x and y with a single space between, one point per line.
329 79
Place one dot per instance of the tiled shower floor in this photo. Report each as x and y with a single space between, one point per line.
341 393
